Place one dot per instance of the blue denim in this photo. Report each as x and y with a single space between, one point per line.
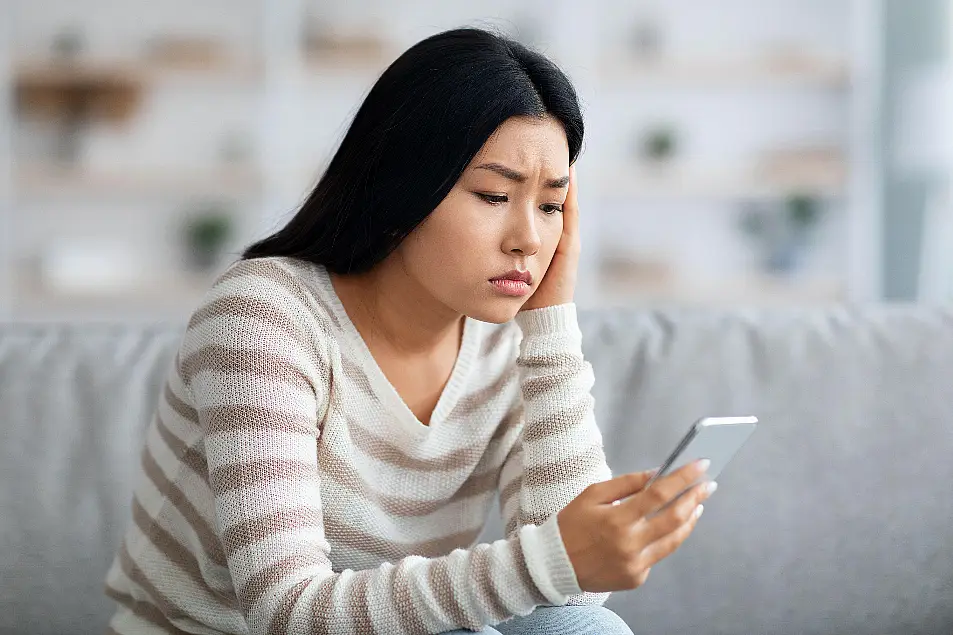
559 620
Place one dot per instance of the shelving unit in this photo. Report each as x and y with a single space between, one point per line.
294 104
726 73
45 182
740 111
6 162
673 183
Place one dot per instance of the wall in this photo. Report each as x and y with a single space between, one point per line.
916 34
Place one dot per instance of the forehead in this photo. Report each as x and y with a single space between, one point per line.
527 142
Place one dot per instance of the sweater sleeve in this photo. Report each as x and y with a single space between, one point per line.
559 450
259 378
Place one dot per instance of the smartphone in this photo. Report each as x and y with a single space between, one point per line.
717 439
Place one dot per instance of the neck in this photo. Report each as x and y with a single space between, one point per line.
388 306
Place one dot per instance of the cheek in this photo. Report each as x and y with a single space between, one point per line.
455 233
549 234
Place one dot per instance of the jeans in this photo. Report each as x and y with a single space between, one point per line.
558 620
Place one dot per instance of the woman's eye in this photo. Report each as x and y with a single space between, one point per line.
551 209
493 199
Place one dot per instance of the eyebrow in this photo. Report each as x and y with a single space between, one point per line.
519 177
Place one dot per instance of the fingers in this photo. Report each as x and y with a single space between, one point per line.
665 489
619 487
676 515
668 544
571 207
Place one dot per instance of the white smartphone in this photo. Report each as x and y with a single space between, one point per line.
717 439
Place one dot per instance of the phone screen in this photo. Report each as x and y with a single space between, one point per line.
717 439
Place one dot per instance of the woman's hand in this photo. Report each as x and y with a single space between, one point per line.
613 545
559 283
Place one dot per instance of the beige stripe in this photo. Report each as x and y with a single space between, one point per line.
143 610
355 373
285 609
555 422
569 363
488 395
386 452
257 310
358 603
343 473
512 525
576 469
178 499
175 552
187 454
259 271
441 583
134 573
263 362
522 571
263 580
181 408
321 605
391 550
408 618
537 385
483 575
510 490
258 474
246 533
249 419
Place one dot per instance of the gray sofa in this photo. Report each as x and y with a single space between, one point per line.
837 517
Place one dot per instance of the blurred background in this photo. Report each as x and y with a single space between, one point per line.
740 152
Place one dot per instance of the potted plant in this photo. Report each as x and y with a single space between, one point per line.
783 234
207 232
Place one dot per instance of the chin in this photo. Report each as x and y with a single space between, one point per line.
496 312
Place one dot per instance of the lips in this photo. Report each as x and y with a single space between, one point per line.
516 276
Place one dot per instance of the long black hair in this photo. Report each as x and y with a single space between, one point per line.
419 127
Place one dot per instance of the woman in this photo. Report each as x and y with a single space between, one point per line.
353 393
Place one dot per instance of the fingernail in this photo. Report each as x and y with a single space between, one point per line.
699 511
711 487
704 464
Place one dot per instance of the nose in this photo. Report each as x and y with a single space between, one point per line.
521 236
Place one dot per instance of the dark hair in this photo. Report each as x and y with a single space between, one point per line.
421 124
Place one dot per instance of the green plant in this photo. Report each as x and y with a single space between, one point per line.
207 232
659 144
782 231
803 211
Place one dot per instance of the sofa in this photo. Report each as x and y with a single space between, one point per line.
836 517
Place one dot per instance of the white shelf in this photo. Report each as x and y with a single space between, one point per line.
140 71
33 182
689 73
743 291
678 183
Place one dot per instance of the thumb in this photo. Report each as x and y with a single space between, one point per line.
621 486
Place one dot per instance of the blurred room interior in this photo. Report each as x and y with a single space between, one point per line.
741 152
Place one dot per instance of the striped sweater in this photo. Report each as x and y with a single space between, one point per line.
287 488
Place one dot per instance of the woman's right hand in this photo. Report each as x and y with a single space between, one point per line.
612 546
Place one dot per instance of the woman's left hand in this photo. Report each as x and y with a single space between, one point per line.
559 283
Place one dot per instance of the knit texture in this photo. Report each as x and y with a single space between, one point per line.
287 488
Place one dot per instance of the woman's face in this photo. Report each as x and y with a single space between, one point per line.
503 215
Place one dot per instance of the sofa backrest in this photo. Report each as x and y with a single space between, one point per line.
836 517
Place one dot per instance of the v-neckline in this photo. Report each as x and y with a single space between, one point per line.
385 389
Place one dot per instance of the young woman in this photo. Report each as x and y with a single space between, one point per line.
354 392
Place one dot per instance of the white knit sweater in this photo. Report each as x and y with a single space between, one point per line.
287 488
